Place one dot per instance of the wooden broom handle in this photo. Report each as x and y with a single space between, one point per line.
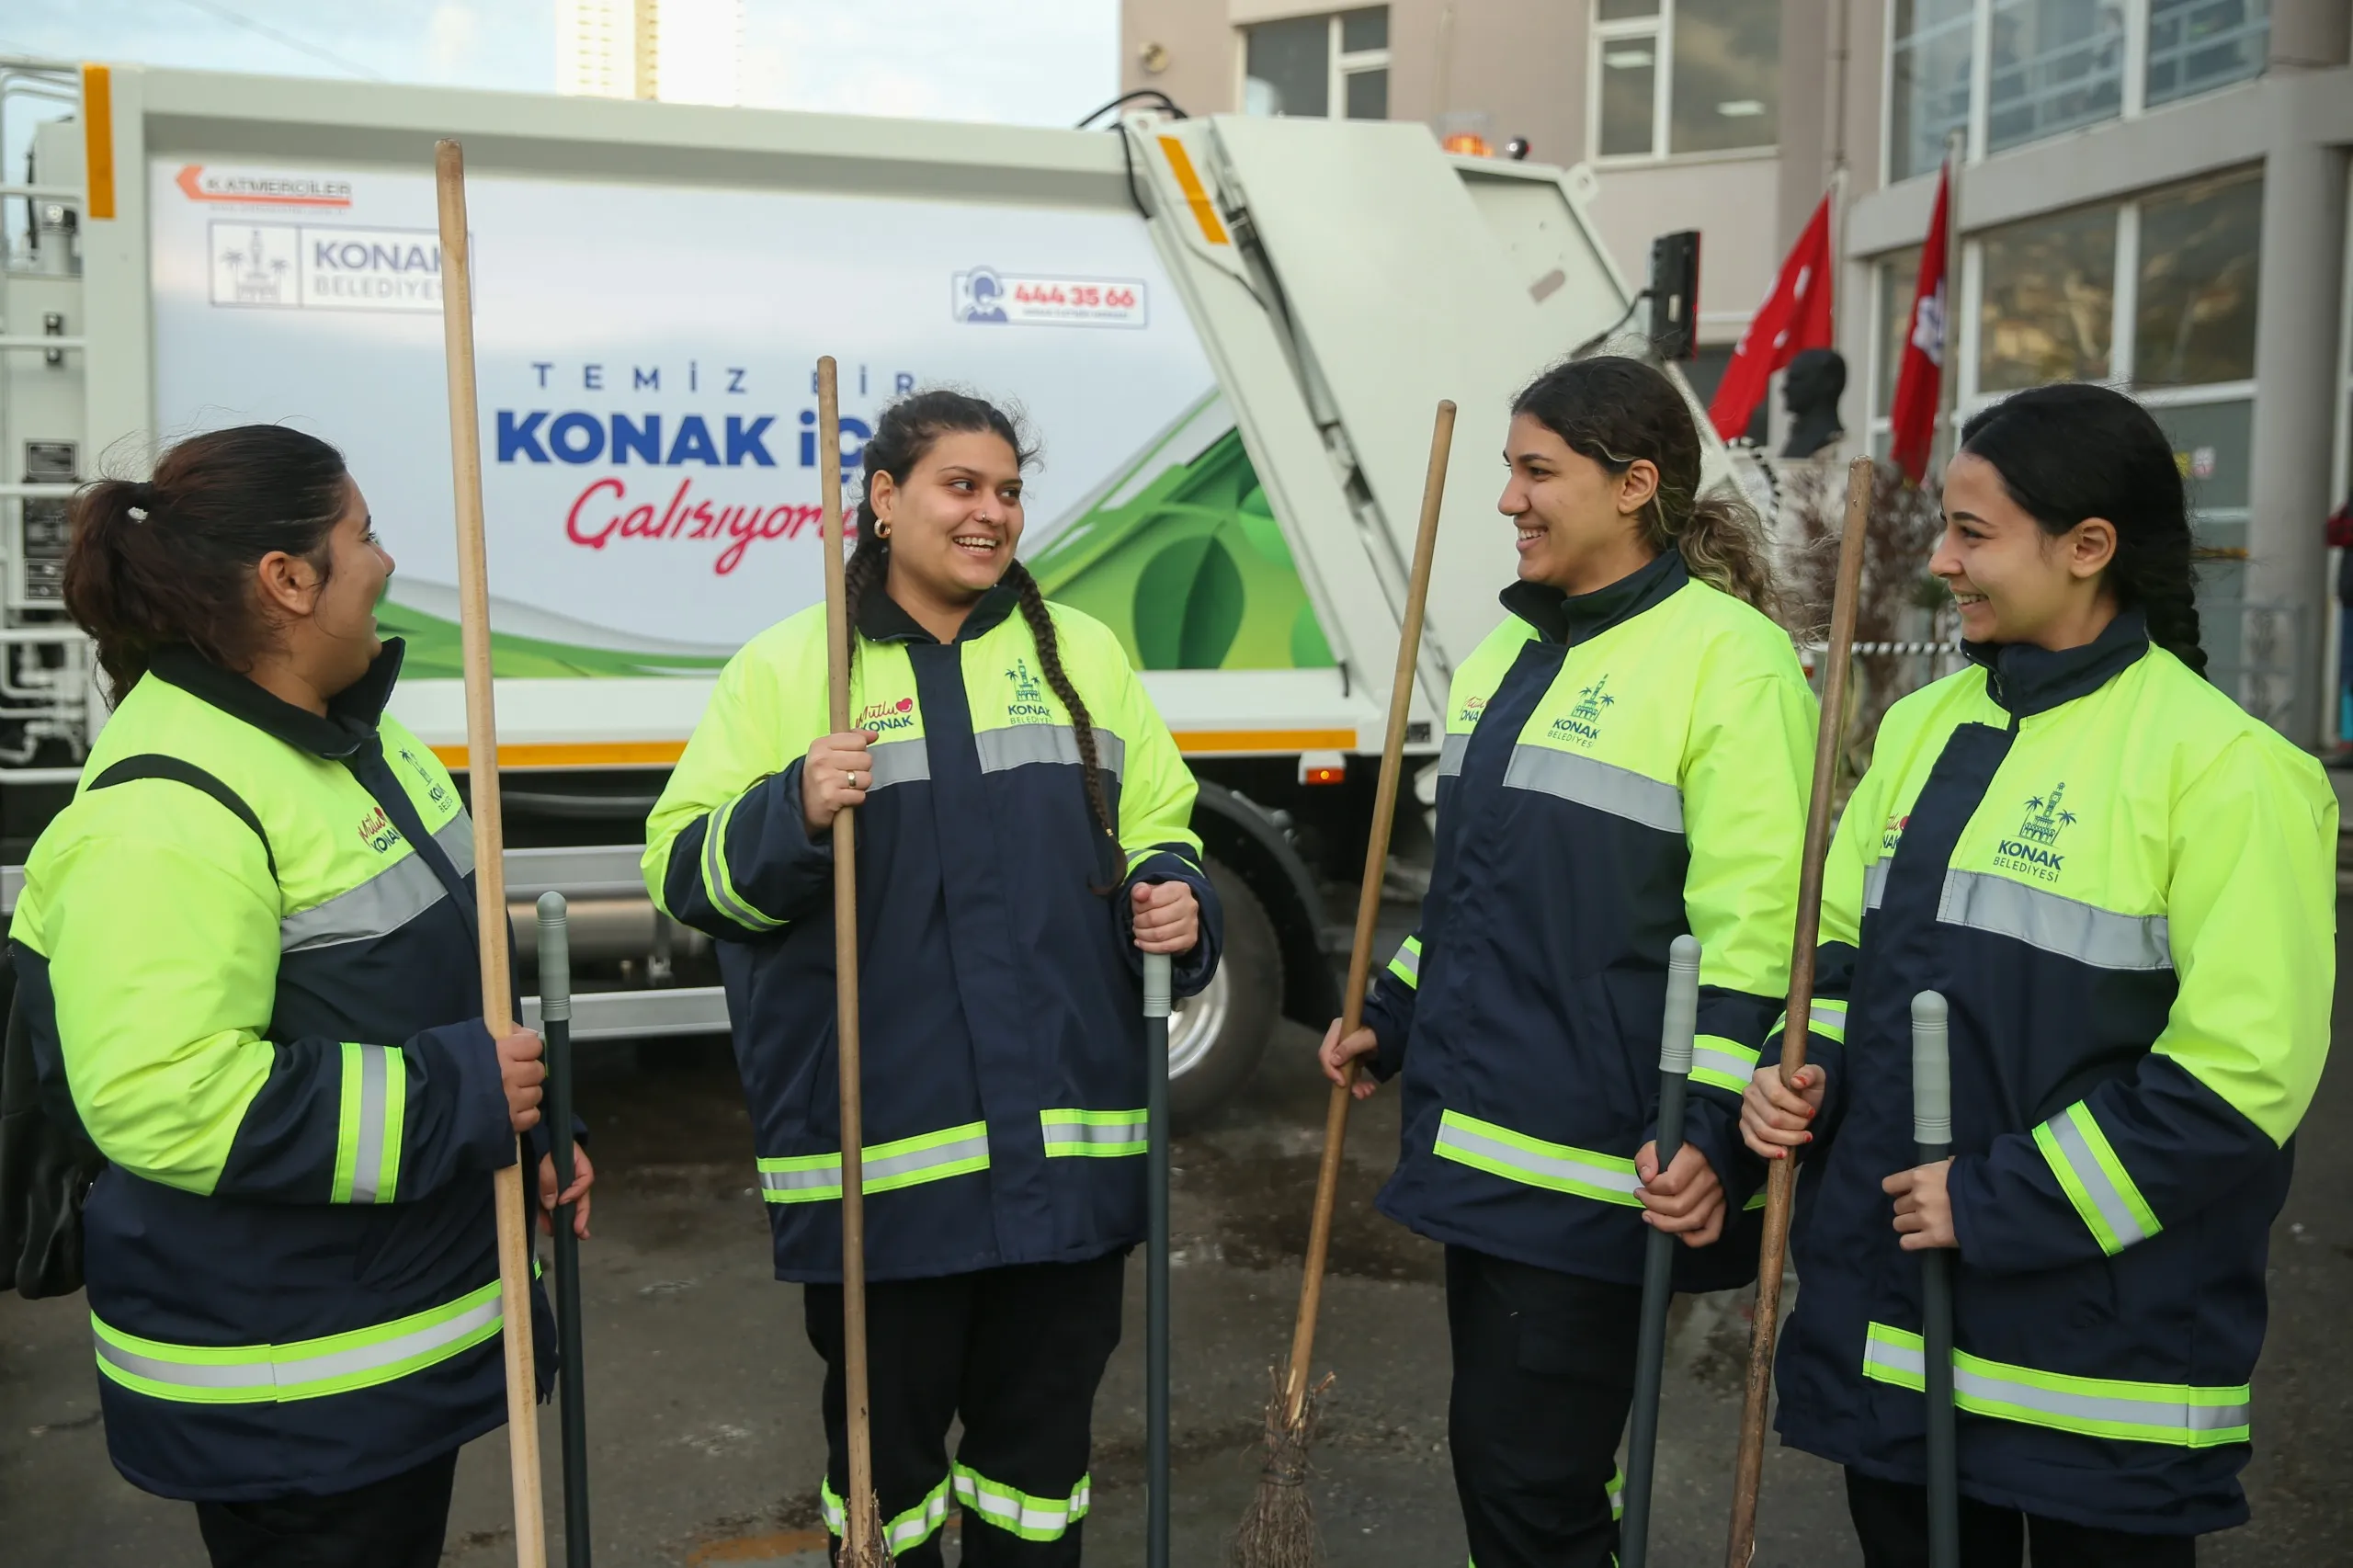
490 869
862 1529
1376 866
1781 1185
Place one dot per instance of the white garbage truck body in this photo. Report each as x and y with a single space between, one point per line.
1228 335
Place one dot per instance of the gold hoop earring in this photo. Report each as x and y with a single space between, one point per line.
881 530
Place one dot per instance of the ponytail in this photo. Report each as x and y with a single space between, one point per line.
1614 411
2072 451
169 561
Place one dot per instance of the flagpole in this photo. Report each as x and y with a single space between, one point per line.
1947 439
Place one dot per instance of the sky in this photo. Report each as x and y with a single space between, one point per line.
1019 62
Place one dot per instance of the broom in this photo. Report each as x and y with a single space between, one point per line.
1781 1185
1278 1529
490 865
863 1545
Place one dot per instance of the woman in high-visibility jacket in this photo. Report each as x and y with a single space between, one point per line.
2124 885
245 958
1023 836
1626 760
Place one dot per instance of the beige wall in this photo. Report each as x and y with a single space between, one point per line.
1200 74
1524 64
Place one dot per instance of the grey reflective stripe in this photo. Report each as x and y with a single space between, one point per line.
827 1178
1450 754
1066 1134
385 902
1020 745
277 1373
381 905
1517 1157
898 762
369 1163
2097 1187
882 1169
456 838
1977 1383
1408 962
1875 883
1604 786
2099 938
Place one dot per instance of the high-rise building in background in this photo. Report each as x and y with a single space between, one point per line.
687 52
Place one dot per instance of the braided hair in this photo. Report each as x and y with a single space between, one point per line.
907 431
2073 450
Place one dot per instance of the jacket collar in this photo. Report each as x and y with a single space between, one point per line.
1579 617
352 714
880 619
2026 681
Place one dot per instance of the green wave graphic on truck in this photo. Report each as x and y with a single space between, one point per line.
1188 567
1181 556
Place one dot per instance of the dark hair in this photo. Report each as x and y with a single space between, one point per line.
2071 451
907 431
1615 410
170 560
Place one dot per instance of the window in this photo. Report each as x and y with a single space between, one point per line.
2056 64
2047 310
1928 81
1676 76
2196 306
2197 44
2011 72
1899 279
1322 67
2156 295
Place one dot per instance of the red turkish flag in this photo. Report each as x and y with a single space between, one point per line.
1794 317
1917 382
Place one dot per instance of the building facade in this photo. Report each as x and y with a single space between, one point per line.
2154 195
1675 104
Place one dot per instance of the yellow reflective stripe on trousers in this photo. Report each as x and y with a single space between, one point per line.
368 1133
1407 965
2095 1180
2175 1413
718 886
1017 1512
1515 1156
904 1532
278 1374
1722 1063
1101 1134
903 1162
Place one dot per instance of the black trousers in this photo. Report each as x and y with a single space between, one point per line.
1543 1377
394 1522
1891 1523
1016 1353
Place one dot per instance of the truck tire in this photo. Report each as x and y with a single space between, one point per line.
1216 1038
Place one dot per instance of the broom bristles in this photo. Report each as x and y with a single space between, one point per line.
1278 1529
876 1555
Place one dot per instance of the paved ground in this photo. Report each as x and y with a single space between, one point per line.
701 1388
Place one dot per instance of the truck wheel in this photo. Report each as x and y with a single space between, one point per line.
1215 1038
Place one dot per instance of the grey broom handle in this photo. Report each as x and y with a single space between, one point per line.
1932 1131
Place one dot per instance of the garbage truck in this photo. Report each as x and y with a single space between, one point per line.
1228 335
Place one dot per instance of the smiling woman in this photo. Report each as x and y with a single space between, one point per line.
1024 837
2121 882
